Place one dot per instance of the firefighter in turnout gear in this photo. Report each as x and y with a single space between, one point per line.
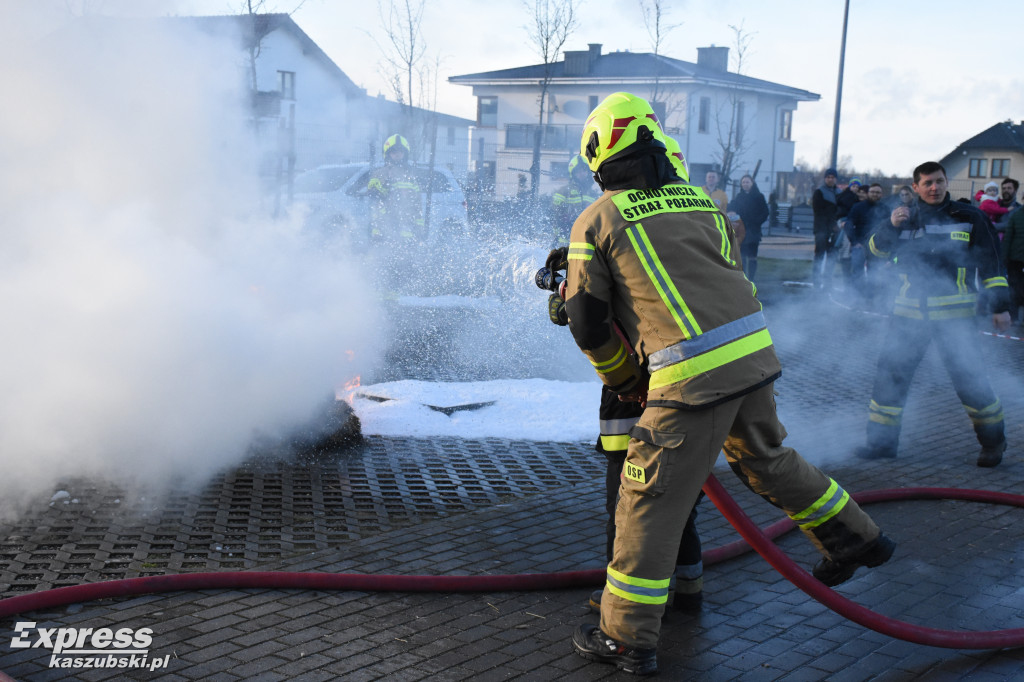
570 200
616 417
397 217
659 258
936 251
675 157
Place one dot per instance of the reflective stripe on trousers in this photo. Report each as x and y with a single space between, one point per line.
639 590
824 508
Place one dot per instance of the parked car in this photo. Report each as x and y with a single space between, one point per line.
339 205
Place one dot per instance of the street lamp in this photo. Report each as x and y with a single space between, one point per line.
839 90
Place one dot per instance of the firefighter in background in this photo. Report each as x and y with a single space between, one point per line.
616 417
570 200
675 156
936 250
658 257
396 219
397 215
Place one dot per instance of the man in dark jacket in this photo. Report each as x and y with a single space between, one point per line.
823 202
1013 252
752 209
936 256
864 218
847 199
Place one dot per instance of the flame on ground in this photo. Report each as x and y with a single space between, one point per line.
347 392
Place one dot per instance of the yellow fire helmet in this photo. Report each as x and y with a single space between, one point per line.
392 141
675 155
620 124
574 163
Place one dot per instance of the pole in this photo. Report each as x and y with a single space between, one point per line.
839 89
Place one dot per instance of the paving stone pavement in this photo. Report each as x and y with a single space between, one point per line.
528 508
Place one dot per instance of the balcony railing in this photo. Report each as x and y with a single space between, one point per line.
552 137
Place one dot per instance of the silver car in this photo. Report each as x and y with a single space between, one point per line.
339 205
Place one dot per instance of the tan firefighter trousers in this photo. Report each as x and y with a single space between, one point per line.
670 456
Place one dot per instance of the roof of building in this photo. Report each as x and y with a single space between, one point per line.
396 108
623 67
253 27
1005 135
246 29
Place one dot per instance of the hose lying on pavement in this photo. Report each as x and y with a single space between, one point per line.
757 539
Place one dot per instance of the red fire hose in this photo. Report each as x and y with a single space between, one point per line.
757 539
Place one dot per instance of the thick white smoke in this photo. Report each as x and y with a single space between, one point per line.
155 318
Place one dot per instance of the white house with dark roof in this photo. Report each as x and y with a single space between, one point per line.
312 106
993 154
304 110
703 105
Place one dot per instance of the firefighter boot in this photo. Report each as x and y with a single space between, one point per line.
991 456
840 569
589 642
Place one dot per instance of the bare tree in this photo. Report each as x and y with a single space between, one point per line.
253 8
402 23
266 105
551 23
655 13
729 118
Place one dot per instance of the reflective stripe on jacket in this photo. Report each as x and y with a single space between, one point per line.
663 264
937 255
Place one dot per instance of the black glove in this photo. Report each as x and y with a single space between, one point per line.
556 310
558 259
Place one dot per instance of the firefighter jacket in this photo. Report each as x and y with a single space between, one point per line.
936 254
662 263
566 205
397 211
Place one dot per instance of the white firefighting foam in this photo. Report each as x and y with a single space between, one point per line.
526 409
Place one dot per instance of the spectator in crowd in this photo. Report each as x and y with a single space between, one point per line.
988 202
906 196
823 203
847 198
865 217
840 246
752 209
711 189
1013 254
1008 200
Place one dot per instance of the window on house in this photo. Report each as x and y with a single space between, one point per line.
659 111
977 168
704 117
592 102
1000 168
786 125
487 112
739 123
286 84
451 135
